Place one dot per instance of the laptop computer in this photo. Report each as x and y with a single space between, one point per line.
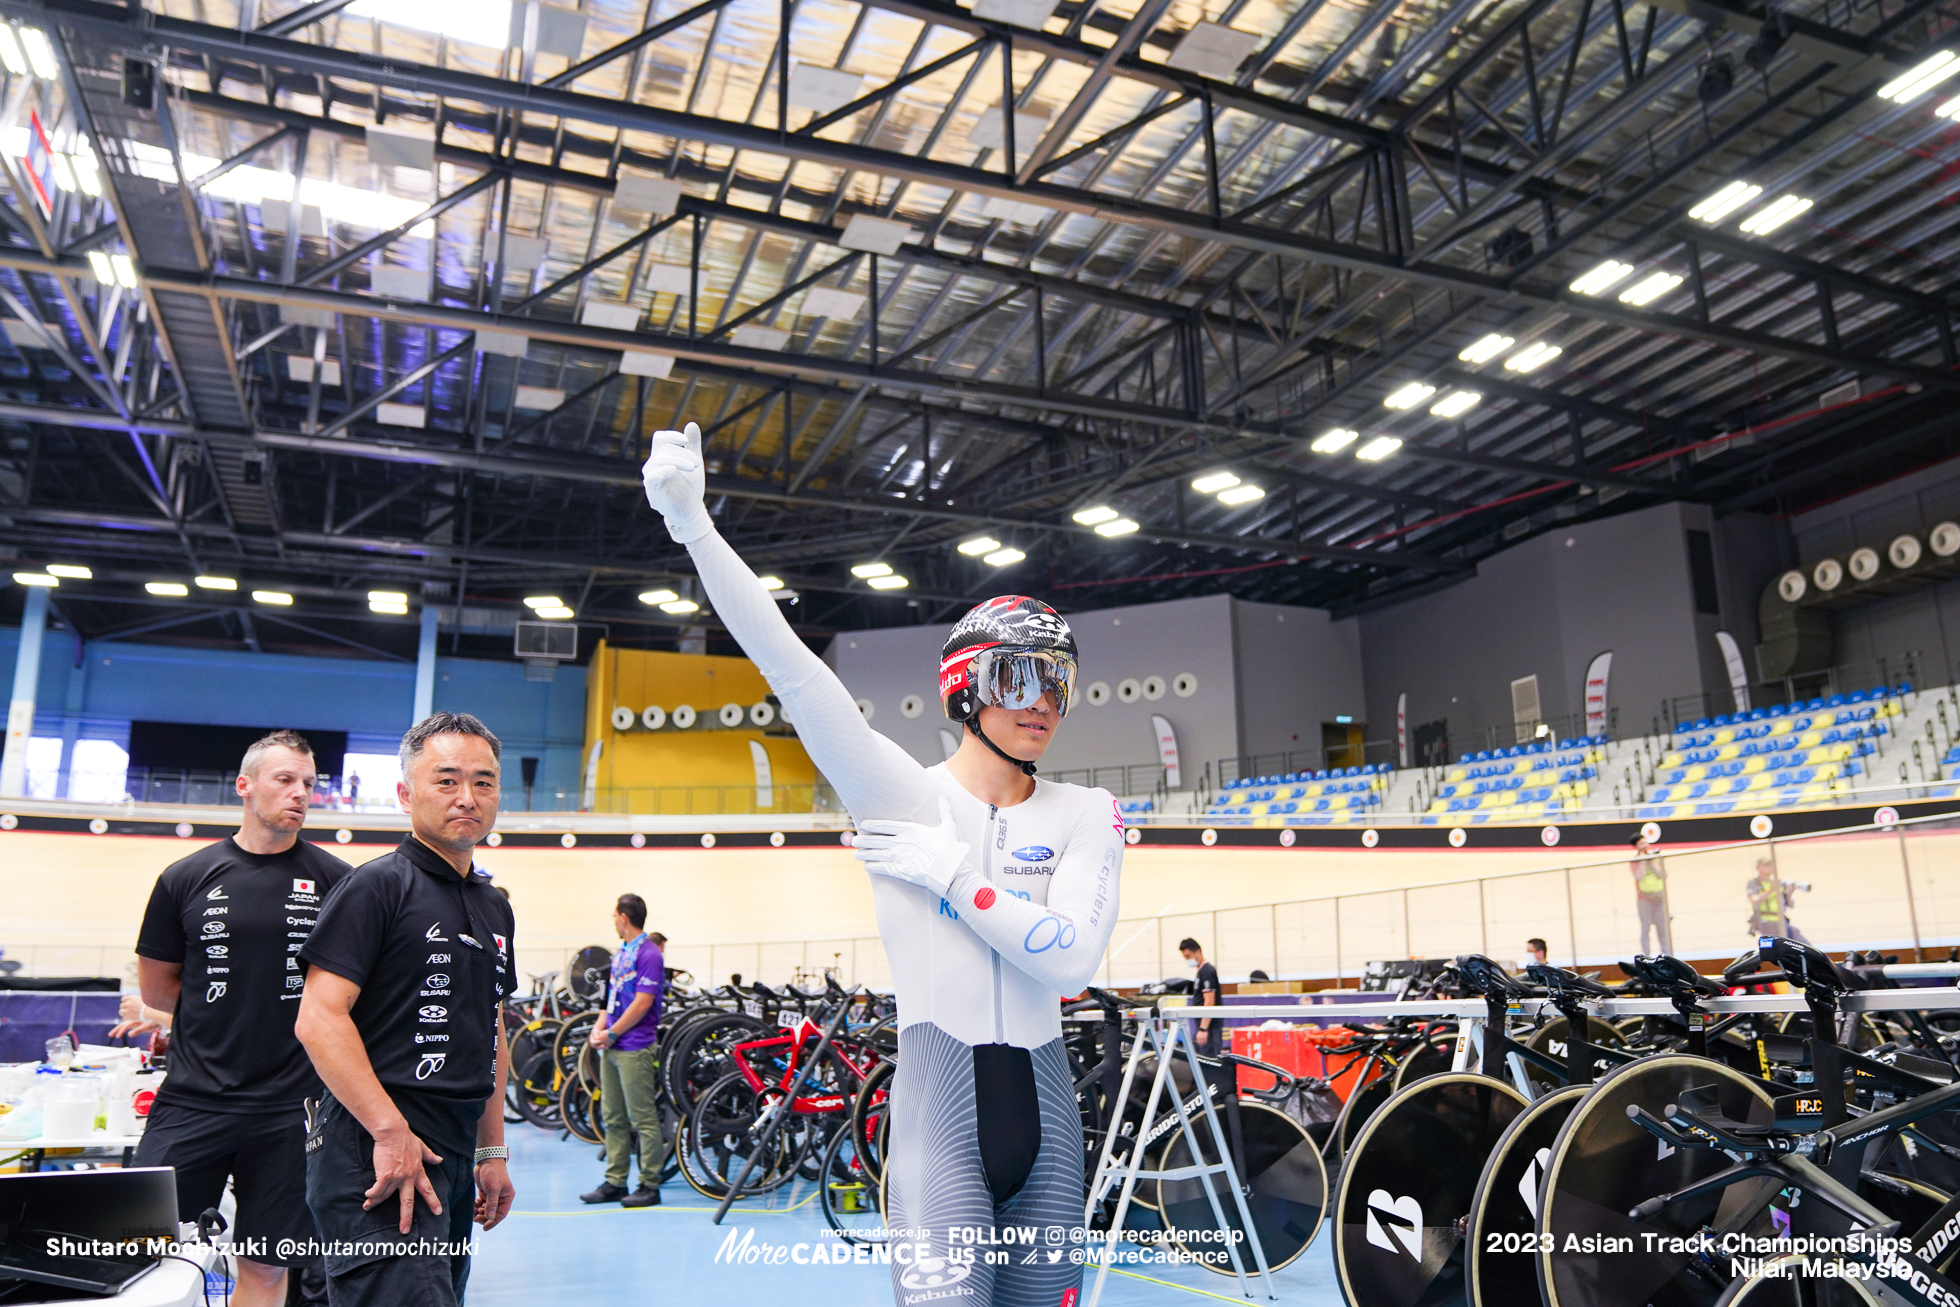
89 1232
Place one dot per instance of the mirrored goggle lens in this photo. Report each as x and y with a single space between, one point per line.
1017 683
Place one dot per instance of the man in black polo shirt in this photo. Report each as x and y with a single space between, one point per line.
406 969
218 951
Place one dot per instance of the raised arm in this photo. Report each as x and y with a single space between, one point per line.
871 773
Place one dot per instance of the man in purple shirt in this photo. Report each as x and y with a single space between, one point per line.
627 1036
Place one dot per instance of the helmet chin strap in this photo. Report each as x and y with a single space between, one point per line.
973 724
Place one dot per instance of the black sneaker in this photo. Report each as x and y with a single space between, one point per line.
644 1196
605 1193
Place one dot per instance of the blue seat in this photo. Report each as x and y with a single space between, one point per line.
1835 701
1903 687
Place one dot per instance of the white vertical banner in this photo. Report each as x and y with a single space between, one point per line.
1401 730
765 790
1738 673
1167 751
1596 693
592 777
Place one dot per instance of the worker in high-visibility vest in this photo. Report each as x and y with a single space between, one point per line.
1769 902
1650 895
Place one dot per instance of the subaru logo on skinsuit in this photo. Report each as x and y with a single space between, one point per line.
1033 853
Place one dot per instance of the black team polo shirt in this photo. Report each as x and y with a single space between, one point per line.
235 922
431 951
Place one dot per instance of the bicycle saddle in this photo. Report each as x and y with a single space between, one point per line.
1560 981
1807 966
1482 976
1673 976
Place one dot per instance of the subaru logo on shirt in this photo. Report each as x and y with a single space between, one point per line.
437 981
1034 853
214 929
433 1012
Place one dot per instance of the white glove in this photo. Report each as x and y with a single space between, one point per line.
927 856
676 481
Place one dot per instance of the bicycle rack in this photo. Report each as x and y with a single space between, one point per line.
1163 1034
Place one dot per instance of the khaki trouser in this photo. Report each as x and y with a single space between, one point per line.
626 1092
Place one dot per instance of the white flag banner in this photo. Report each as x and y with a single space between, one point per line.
1402 730
1167 752
1596 693
1738 672
765 790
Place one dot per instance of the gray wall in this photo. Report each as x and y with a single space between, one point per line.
1265 672
1297 668
1925 621
1545 608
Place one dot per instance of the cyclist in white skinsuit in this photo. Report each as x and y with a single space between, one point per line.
996 894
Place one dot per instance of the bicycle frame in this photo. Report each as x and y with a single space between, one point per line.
807 1034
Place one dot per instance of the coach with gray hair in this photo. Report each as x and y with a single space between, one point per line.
406 971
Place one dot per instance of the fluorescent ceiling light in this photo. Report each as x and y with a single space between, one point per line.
1921 77
390 610
1003 557
558 614
978 545
278 597
680 606
658 596
1455 404
480 22
1532 357
871 570
1774 214
768 583
1951 109
105 271
1410 395
40 54
168 589
70 571
1603 277
1486 349
1333 442
10 52
544 601
216 583
1724 202
888 583
125 270
1122 526
1094 516
35 578
1213 482
386 597
1378 449
1241 495
1650 288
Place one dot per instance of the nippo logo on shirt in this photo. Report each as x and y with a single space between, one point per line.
302 886
984 899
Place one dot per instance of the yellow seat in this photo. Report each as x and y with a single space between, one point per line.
1694 773
1761 780
1753 765
1671 758
1783 727
1456 773
1727 752
1724 735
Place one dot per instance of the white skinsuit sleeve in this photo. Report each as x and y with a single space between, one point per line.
870 772
1060 944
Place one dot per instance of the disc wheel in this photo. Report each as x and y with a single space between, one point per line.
1362 1103
722 1132
1435 1055
1553 1039
1406 1189
1503 1231
1603 1165
1284 1182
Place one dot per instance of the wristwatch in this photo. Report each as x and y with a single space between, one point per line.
495 1151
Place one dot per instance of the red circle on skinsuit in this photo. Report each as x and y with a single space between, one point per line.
984 899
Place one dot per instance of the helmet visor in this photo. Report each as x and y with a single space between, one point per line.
1015 680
